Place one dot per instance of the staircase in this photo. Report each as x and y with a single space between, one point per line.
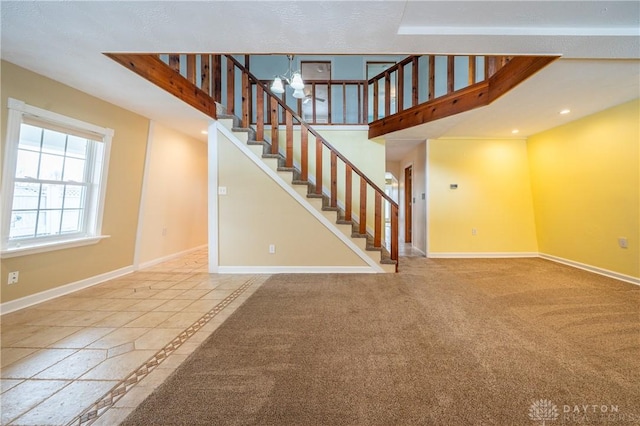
262 151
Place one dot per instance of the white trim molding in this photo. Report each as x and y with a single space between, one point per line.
600 271
43 296
56 245
154 262
480 255
296 270
212 191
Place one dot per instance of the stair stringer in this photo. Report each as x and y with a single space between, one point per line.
303 201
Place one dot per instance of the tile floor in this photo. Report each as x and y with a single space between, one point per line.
92 356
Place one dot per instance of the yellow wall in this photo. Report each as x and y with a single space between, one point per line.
256 212
40 272
174 205
586 189
493 196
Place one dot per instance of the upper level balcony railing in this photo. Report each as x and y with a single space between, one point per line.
408 83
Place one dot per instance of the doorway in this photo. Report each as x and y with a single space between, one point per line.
408 203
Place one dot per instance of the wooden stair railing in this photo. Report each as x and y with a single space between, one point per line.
275 104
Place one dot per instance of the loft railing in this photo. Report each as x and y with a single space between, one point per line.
413 91
419 79
414 80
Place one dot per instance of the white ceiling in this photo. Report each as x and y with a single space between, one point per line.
599 42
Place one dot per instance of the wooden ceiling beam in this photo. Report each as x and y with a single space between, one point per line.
150 67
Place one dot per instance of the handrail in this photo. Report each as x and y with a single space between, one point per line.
312 130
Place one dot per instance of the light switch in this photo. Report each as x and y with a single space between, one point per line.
222 190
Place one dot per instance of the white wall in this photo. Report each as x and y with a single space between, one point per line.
417 158
173 216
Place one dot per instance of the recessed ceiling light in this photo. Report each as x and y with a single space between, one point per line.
204 132
565 111
515 131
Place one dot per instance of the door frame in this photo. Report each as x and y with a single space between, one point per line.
408 203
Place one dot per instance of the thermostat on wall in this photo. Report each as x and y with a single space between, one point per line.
453 186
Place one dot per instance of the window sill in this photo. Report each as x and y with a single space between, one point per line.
57 245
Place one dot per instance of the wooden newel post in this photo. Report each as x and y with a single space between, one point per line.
394 234
348 192
377 233
318 166
334 179
363 206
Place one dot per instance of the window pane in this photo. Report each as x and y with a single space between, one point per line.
23 224
74 170
71 221
76 147
49 222
51 167
51 197
25 196
27 164
74 197
30 137
54 142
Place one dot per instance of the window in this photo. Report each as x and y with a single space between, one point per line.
54 181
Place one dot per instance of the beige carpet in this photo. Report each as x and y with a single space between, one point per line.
446 342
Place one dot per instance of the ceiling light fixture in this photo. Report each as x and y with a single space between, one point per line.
292 78
565 111
515 131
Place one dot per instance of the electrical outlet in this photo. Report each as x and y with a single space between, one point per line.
623 242
272 248
474 231
222 190
13 277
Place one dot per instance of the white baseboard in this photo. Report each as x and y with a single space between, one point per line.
418 250
154 262
594 269
296 270
43 296
480 255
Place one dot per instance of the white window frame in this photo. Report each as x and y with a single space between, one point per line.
92 232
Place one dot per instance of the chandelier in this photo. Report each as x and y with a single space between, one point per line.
293 79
